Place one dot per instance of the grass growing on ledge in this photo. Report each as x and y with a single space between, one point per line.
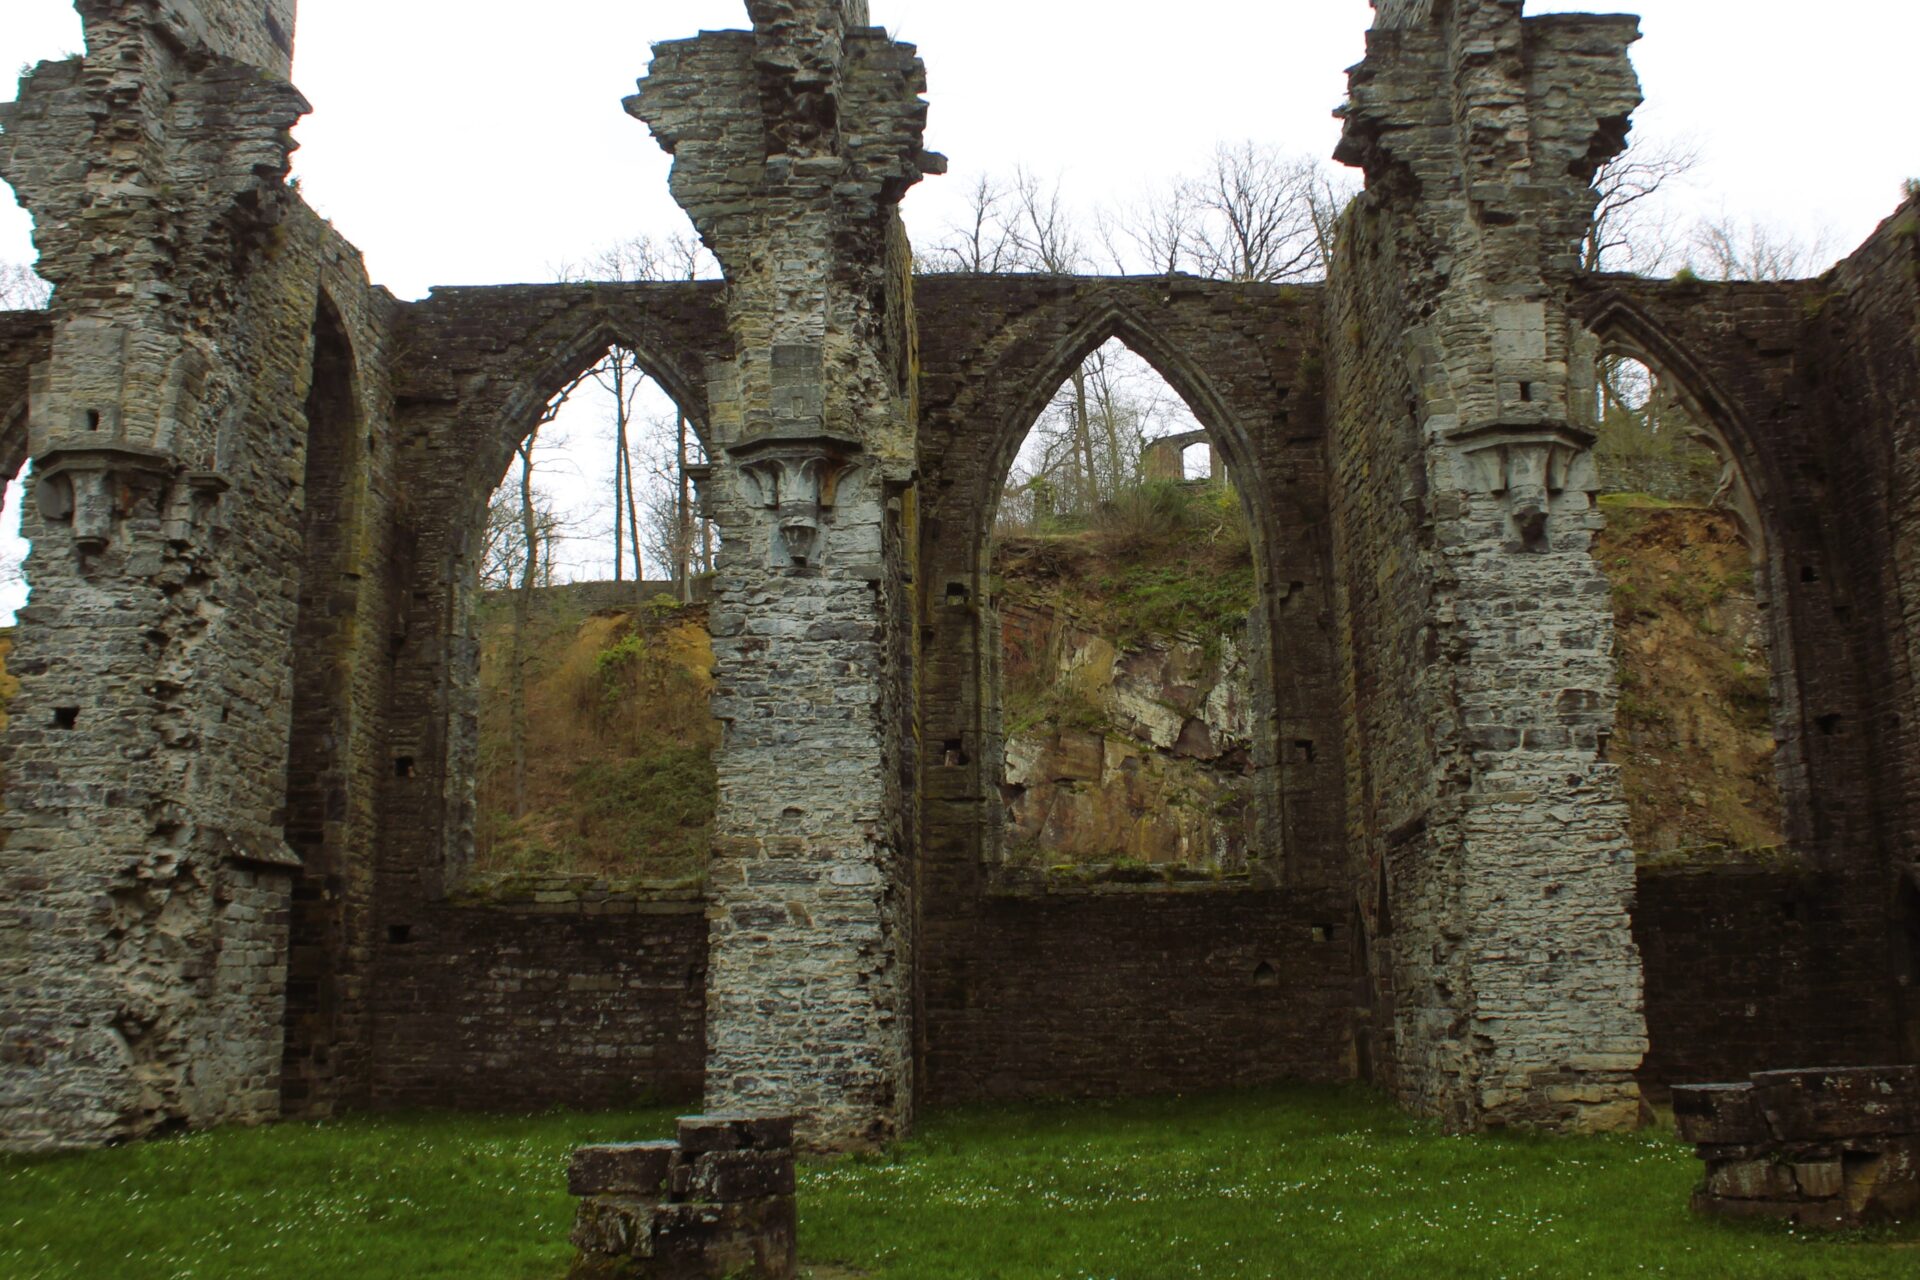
1326 1182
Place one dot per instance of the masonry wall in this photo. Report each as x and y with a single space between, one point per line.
1869 368
1737 962
1392 691
810 987
1026 991
1811 384
471 1000
1489 840
574 997
26 338
1118 992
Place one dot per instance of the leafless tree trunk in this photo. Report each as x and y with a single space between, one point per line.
1083 442
633 521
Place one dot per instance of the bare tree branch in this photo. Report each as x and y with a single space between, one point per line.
21 289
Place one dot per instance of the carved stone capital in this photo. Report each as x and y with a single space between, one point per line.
1528 465
795 479
96 485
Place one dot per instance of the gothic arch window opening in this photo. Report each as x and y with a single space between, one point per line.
1701 720
1127 658
591 659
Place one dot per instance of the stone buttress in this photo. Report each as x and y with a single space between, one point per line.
793 144
143 873
1491 847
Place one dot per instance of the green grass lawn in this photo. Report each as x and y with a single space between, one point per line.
1319 1183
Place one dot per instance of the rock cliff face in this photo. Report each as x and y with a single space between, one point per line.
1122 750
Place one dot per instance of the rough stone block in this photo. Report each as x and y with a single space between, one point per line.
623 1168
614 1227
700 1134
1717 1113
1762 1179
753 1238
741 1175
1802 1106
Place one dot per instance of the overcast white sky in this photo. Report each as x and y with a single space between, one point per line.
481 142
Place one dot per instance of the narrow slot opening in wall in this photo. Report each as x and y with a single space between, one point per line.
13 540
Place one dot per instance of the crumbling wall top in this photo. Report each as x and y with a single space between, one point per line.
1402 13
256 32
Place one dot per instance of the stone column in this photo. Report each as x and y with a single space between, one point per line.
143 878
1493 838
793 144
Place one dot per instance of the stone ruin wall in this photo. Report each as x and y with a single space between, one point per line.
146 878
240 767
1255 969
1487 822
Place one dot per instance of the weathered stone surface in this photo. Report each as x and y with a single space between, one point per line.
632 1169
718 1203
1812 1106
704 1133
1718 1114
1829 1148
240 766
1490 850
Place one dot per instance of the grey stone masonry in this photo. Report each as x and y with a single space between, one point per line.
1488 823
716 1203
1830 1148
144 878
240 768
793 144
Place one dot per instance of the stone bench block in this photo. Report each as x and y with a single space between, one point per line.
1807 1106
718 1203
1722 1114
624 1168
1827 1148
735 1133
740 1175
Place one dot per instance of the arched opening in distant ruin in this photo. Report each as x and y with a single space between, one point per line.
1696 589
590 666
1126 678
319 746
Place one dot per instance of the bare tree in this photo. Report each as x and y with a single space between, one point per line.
1041 227
523 540
21 289
981 242
1255 214
1631 229
1258 218
621 374
1725 248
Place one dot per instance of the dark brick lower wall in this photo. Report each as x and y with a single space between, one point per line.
1103 993
531 1005
1753 970
1115 993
